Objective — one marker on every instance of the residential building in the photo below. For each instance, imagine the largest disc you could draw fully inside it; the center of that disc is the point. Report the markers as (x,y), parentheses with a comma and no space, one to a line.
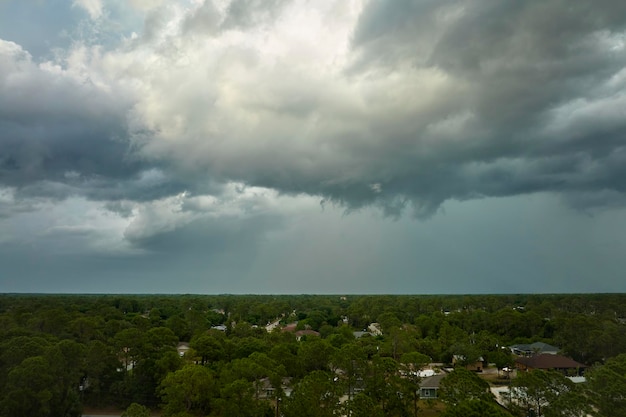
(534,349)
(547,361)
(429,387)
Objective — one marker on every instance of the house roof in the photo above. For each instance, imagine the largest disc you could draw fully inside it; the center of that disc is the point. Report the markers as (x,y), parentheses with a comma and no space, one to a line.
(432,381)
(537,347)
(544,346)
(548,361)
(291,327)
(182,348)
(306,332)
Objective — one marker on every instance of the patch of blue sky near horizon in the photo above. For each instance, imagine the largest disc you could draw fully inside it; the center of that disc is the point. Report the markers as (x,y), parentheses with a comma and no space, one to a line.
(39,26)
(47,28)
(522,244)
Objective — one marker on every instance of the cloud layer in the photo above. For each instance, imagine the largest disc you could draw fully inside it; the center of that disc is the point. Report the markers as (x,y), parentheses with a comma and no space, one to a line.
(177,117)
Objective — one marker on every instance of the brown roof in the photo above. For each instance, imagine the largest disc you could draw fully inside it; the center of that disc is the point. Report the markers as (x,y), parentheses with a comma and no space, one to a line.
(306,332)
(291,327)
(548,361)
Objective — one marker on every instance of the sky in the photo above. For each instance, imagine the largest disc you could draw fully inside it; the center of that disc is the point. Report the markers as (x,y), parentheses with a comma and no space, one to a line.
(298,146)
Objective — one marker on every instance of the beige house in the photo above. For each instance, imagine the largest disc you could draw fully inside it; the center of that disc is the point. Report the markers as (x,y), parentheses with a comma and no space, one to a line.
(474,366)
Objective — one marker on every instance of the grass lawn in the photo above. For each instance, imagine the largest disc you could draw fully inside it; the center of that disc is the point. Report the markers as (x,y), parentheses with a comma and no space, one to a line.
(430,409)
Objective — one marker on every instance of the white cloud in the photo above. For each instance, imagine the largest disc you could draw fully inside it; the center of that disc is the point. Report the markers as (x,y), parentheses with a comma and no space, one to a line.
(74,225)
(146,5)
(93,7)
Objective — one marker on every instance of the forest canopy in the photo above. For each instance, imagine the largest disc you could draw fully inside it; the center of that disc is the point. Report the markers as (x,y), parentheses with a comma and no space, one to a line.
(239,355)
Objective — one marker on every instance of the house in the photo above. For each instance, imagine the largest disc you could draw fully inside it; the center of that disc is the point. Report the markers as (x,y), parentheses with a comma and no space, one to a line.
(374,328)
(474,366)
(547,361)
(533,349)
(429,387)
(291,327)
(182,348)
(273,325)
(266,390)
(306,332)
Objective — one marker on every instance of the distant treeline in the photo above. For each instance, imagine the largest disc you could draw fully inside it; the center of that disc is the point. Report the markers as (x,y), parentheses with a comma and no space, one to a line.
(59,353)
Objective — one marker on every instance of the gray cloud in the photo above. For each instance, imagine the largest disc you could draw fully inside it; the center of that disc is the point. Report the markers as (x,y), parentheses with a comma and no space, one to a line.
(208,20)
(435,101)
(63,134)
(540,89)
(204,20)
(190,138)
(247,13)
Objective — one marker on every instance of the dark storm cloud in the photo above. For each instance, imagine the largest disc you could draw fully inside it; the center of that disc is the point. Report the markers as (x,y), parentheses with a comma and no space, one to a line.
(62,135)
(187,146)
(437,100)
(208,236)
(540,86)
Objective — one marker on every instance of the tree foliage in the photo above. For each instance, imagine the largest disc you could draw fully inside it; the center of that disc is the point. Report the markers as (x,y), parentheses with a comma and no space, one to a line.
(475,408)
(317,395)
(548,393)
(136,410)
(608,385)
(190,389)
(61,352)
(463,385)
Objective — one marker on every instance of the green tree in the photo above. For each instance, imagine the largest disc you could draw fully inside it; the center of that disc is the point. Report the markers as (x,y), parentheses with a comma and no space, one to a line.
(362,406)
(179,326)
(208,346)
(29,391)
(189,390)
(315,354)
(317,395)
(254,369)
(14,350)
(462,385)
(128,345)
(475,408)
(285,353)
(85,329)
(608,386)
(501,358)
(384,385)
(548,393)
(388,321)
(349,361)
(237,399)
(136,410)
(410,365)
(466,353)
(66,361)
(101,365)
